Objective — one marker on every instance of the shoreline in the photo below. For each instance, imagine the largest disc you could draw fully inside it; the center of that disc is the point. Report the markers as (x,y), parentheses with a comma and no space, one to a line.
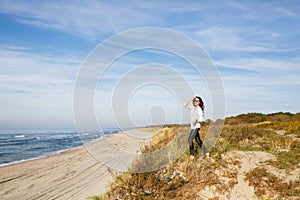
(48,154)
(72,174)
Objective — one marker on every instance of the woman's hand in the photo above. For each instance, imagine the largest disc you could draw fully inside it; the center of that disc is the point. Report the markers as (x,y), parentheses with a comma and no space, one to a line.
(188,101)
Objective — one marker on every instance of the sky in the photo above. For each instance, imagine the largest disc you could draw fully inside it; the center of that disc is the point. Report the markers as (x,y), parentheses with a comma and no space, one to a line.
(254,45)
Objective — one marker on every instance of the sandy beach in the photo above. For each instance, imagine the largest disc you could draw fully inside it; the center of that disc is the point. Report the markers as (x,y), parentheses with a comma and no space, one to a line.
(76,173)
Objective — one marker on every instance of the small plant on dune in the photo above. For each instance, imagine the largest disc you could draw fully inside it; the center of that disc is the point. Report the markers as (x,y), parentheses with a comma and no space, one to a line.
(288,159)
(245,138)
(268,185)
(95,198)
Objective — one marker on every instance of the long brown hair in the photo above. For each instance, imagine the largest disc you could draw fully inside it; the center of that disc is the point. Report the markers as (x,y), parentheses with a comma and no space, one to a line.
(201,104)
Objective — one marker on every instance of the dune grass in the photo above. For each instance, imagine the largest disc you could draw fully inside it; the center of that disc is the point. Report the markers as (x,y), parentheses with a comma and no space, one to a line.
(183,179)
(267,185)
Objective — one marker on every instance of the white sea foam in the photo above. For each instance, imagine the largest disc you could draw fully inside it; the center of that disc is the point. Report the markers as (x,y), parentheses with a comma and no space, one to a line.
(19,136)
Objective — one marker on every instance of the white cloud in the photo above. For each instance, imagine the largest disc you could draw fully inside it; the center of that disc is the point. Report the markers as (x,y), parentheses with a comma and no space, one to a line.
(273,66)
(35,89)
(232,39)
(260,85)
(220,38)
(87,19)
(265,11)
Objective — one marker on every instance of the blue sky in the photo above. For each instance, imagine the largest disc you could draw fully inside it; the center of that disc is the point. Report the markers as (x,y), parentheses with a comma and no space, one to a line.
(254,44)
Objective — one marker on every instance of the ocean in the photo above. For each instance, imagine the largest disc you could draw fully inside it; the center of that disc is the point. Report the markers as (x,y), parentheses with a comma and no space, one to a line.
(21,145)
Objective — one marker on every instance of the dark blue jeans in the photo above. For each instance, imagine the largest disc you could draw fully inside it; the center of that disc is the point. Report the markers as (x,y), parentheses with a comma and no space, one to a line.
(194,134)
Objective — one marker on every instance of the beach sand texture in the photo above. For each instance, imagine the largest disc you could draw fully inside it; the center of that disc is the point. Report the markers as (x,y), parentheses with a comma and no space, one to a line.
(75,173)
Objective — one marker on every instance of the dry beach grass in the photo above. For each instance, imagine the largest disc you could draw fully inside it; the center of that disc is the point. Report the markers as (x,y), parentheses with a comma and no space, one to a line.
(251,160)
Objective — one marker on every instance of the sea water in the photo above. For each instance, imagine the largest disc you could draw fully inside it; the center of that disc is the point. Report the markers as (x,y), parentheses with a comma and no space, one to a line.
(21,145)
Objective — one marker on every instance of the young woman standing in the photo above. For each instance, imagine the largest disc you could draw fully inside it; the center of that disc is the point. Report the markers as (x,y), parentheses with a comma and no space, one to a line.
(197,112)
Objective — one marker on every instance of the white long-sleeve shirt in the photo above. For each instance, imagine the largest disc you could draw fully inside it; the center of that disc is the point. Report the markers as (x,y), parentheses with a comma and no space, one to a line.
(196,114)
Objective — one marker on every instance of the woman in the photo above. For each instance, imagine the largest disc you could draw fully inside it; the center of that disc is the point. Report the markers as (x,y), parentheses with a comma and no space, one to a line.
(197,111)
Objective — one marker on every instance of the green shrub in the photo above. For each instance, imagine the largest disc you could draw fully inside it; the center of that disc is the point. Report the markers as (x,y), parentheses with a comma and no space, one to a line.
(259,117)
(292,127)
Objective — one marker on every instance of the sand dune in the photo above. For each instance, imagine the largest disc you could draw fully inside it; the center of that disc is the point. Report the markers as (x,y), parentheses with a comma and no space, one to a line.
(73,174)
